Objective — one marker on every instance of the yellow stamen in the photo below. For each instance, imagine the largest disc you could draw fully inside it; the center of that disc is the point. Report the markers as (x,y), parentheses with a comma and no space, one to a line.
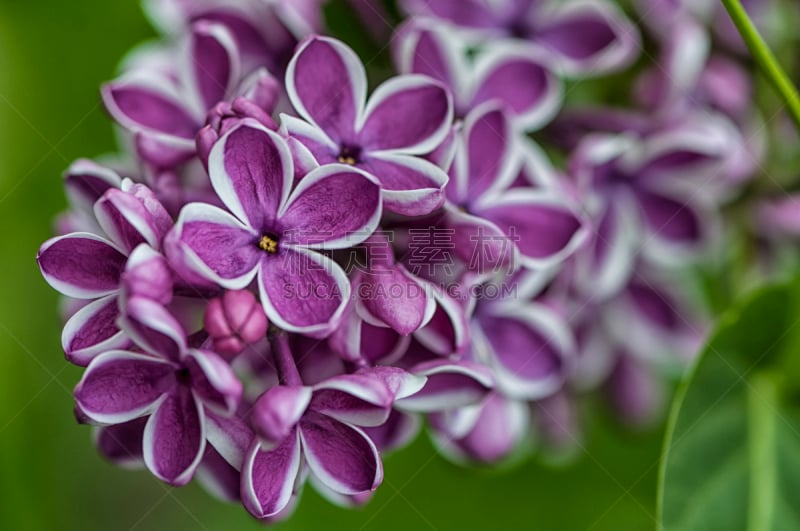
(347,159)
(268,244)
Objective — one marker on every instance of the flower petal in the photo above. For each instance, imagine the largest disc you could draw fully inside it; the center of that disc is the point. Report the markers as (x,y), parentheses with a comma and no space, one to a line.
(211,64)
(411,186)
(543,227)
(395,297)
(342,457)
(333,207)
(482,246)
(126,221)
(119,386)
(122,443)
(209,242)
(251,171)
(277,412)
(450,384)
(393,119)
(174,438)
(268,477)
(86,181)
(303,291)
(327,85)
(81,265)
(93,330)
(398,431)
(213,381)
(153,328)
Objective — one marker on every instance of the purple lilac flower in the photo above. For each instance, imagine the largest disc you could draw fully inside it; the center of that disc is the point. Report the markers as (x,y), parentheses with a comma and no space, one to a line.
(234,321)
(327,85)
(100,269)
(272,231)
(583,37)
(169,382)
(515,76)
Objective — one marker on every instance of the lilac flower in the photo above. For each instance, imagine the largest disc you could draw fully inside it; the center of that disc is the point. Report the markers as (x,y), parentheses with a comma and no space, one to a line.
(170,383)
(492,221)
(515,76)
(316,426)
(584,37)
(90,267)
(407,115)
(165,112)
(233,321)
(271,231)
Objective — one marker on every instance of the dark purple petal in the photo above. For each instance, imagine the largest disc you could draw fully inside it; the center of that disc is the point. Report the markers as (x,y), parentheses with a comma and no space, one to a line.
(153,328)
(470,13)
(332,207)
(411,186)
(303,291)
(93,330)
(277,412)
(147,274)
(450,384)
(268,477)
(125,220)
(219,477)
(221,249)
(447,332)
(354,399)
(342,457)
(231,437)
(394,121)
(542,226)
(212,63)
(327,85)
(655,306)
(81,265)
(150,107)
(395,297)
(398,431)
(122,443)
(174,438)
(251,171)
(482,246)
(213,381)
(670,218)
(424,50)
(121,386)
(85,181)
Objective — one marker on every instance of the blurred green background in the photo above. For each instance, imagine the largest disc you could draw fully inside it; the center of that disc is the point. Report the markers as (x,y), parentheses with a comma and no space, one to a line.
(53,56)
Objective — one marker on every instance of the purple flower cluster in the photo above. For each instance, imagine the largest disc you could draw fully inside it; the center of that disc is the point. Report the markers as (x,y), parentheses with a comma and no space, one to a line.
(288,269)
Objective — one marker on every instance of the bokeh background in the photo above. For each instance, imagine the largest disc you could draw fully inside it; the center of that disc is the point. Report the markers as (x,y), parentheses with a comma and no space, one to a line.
(53,57)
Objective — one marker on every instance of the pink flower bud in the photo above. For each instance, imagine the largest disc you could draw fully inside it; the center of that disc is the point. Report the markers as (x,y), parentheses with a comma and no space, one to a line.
(235,320)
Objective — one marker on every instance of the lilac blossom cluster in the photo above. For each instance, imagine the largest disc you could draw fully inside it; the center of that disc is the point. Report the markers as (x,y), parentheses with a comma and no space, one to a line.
(288,270)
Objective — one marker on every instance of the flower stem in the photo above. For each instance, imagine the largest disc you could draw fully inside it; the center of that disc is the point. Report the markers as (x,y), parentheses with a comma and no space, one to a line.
(765,59)
(282,354)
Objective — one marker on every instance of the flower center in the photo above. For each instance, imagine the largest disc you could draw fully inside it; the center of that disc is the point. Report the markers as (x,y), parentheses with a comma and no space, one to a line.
(349,155)
(268,243)
(182,376)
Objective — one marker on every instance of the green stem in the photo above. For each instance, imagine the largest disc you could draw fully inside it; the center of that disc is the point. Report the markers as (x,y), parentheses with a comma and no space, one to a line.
(765,59)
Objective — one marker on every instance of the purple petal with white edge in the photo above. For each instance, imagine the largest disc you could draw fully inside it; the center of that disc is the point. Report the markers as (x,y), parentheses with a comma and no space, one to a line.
(214,245)
(450,384)
(277,412)
(268,477)
(522,82)
(153,328)
(398,431)
(447,332)
(122,443)
(211,64)
(125,220)
(671,219)
(469,13)
(218,477)
(483,246)
(400,382)
(333,207)
(317,144)
(81,265)
(93,330)
(231,437)
(327,85)
(490,159)
(303,291)
(149,105)
(393,121)
(342,457)
(147,274)
(120,386)
(353,398)
(543,227)
(395,297)
(589,38)
(411,186)
(174,438)
(424,49)
(655,306)
(156,211)
(86,181)
(213,381)
(251,171)
(528,347)
(500,428)
(163,151)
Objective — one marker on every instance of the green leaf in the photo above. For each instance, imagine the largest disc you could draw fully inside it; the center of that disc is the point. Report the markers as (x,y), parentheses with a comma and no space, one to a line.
(731,457)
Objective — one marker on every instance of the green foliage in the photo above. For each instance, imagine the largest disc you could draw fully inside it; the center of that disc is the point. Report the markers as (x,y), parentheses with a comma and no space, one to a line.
(732,452)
